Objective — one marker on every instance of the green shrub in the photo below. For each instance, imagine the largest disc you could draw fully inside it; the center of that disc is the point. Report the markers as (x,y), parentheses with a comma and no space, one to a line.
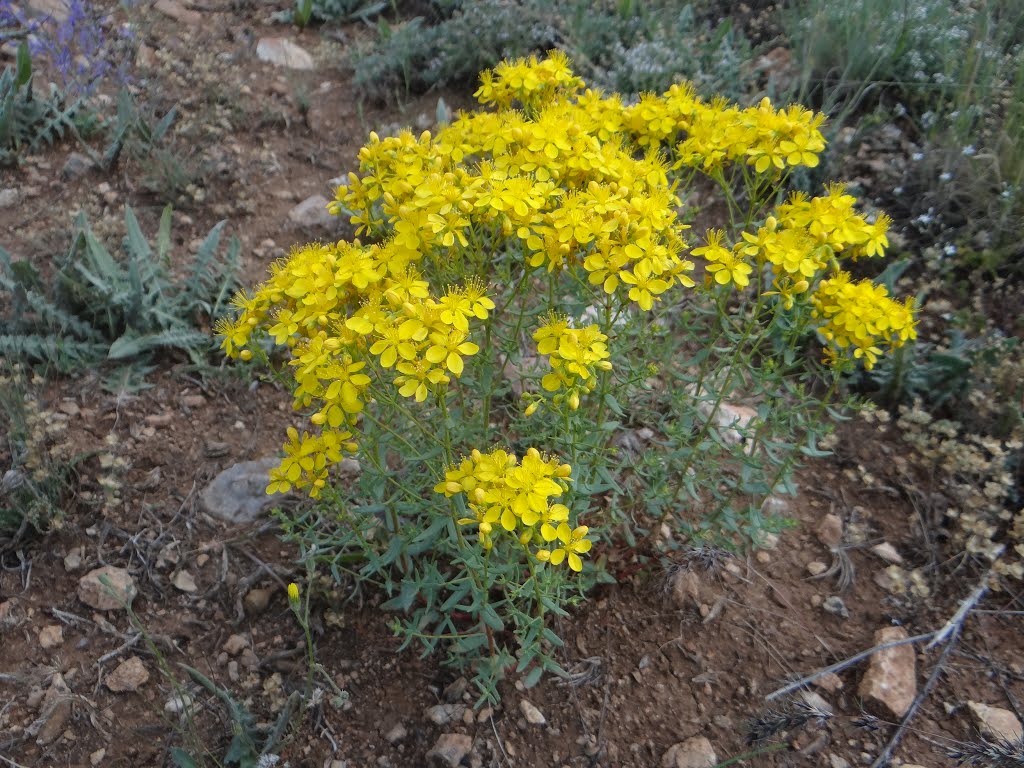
(628,47)
(531,370)
(96,309)
(30,120)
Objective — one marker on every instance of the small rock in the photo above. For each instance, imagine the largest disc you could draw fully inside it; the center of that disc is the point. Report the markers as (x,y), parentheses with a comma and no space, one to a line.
(283,53)
(179,12)
(10,617)
(816,701)
(312,212)
(830,682)
(835,605)
(996,723)
(235,644)
(692,753)
(193,401)
(449,749)
(118,591)
(8,197)
(145,57)
(453,691)
(233,675)
(816,568)
(73,560)
(830,531)
(249,660)
(239,493)
(57,9)
(184,581)
(95,758)
(214,449)
(76,166)
(55,711)
(129,676)
(442,714)
(835,761)
(533,715)
(396,734)
(256,601)
(888,553)
(178,703)
(891,678)
(51,636)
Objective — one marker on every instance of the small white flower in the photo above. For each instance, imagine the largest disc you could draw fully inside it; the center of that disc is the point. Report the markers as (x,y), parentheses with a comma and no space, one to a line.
(917,157)
(945,176)
(968,151)
(950,249)
(898,191)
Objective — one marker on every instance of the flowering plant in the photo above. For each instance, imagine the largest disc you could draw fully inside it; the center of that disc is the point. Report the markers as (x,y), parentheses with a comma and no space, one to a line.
(534,248)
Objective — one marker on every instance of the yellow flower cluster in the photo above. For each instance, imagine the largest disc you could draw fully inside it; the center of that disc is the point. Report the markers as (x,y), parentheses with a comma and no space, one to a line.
(530,82)
(332,304)
(860,318)
(706,136)
(574,354)
(571,180)
(505,494)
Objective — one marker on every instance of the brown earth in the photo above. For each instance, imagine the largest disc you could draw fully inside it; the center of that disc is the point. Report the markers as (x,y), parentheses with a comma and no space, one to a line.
(654,665)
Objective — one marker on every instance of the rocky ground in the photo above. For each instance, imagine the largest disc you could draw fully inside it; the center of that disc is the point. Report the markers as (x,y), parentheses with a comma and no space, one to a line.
(671,667)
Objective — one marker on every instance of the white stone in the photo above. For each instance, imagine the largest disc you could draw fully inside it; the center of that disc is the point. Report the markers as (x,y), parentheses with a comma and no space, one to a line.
(533,715)
(696,752)
(312,212)
(888,553)
(118,591)
(282,52)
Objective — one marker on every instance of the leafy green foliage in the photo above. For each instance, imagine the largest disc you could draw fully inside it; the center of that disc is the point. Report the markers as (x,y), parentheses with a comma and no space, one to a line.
(97,308)
(624,46)
(30,120)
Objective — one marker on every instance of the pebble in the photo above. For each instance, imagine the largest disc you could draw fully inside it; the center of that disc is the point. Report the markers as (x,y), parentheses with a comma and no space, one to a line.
(816,568)
(830,531)
(8,197)
(282,52)
(696,752)
(233,671)
(235,644)
(396,734)
(178,12)
(256,601)
(95,758)
(891,679)
(73,560)
(996,723)
(129,676)
(454,691)
(239,493)
(533,715)
(185,582)
(888,553)
(449,749)
(51,636)
(443,714)
(55,710)
(312,212)
(834,604)
(94,593)
(76,166)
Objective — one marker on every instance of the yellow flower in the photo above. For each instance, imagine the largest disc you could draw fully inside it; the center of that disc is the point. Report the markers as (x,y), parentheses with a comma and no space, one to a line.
(574,543)
(293,593)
